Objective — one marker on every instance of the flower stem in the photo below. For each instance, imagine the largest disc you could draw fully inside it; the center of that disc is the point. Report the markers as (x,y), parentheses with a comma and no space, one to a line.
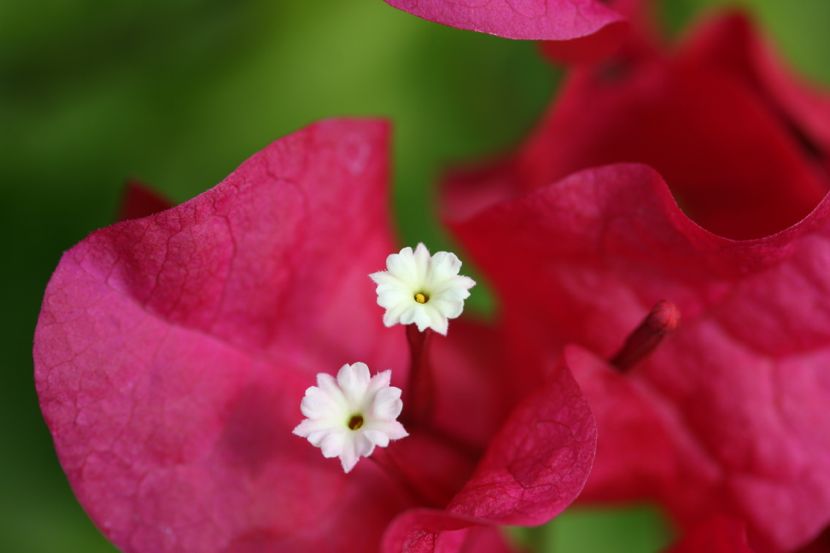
(419,400)
(661,321)
(386,462)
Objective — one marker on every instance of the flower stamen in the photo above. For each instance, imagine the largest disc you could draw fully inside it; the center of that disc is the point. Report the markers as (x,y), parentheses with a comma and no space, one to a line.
(356,422)
(420,297)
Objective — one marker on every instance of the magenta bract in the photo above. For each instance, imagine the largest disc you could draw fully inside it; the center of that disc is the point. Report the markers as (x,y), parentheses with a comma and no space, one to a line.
(172,352)
(730,223)
(574,29)
(730,407)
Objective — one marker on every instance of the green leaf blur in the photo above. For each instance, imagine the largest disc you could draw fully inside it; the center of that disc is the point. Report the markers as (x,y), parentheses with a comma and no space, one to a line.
(179,92)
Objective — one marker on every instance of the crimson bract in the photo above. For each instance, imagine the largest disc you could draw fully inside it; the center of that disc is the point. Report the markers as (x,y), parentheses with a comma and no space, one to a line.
(172,352)
(697,175)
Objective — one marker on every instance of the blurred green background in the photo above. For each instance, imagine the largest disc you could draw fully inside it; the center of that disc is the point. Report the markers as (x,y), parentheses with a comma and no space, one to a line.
(179,92)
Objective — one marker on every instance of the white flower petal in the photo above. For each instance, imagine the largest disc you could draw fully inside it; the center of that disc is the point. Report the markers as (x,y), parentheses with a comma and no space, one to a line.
(387,404)
(390,298)
(395,430)
(422,262)
(393,316)
(438,321)
(363,446)
(445,265)
(334,444)
(409,315)
(383,278)
(377,437)
(348,416)
(318,404)
(423,316)
(381,380)
(421,289)
(402,266)
(348,457)
(328,386)
(353,380)
(449,308)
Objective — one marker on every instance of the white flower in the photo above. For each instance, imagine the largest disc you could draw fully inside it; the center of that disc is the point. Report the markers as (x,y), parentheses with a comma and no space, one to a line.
(348,416)
(422,289)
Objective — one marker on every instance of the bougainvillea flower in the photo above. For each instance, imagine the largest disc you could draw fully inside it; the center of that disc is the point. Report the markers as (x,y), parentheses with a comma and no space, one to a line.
(352,414)
(422,289)
(173,351)
(729,412)
(743,146)
(574,29)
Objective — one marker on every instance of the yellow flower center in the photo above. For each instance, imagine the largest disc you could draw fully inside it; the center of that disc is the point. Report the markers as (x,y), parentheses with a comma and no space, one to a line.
(356,422)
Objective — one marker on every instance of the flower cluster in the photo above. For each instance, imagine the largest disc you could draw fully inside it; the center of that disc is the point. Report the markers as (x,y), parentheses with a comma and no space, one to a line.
(348,416)
(173,352)
(658,247)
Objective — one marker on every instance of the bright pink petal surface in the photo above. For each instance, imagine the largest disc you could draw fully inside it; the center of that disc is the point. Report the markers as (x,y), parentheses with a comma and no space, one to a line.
(172,352)
(580,28)
(737,164)
(716,535)
(534,467)
(584,260)
(735,400)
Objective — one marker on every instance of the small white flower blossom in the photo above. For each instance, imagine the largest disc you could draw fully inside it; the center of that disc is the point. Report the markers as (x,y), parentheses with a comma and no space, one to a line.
(422,289)
(348,416)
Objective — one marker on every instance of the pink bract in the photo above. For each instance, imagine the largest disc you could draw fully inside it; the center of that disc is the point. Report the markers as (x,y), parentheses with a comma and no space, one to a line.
(729,413)
(575,29)
(741,146)
(172,352)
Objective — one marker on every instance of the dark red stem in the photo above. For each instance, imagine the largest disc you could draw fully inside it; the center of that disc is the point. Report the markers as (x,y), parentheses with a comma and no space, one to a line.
(661,320)
(418,401)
